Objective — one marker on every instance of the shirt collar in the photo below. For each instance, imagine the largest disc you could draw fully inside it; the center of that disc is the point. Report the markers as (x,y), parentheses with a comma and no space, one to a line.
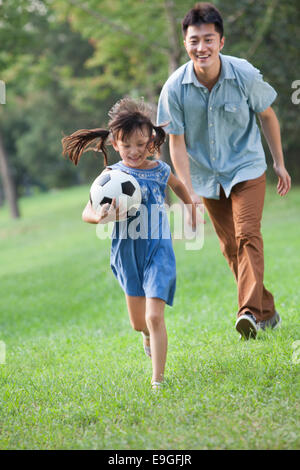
(190,76)
(226,70)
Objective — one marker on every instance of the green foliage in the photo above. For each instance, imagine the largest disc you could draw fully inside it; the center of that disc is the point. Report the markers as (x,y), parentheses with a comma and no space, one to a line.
(267,34)
(66,63)
(41,104)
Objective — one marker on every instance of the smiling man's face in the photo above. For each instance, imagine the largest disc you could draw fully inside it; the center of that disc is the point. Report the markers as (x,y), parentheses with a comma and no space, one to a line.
(203,44)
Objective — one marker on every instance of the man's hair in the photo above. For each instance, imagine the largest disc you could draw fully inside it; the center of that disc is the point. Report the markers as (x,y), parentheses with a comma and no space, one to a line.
(203,13)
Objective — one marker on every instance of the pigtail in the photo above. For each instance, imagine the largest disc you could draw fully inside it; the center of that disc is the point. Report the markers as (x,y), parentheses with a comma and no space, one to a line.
(157,140)
(76,144)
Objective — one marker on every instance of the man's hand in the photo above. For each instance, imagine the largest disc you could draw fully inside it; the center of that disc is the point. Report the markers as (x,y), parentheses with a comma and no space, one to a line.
(271,130)
(284,180)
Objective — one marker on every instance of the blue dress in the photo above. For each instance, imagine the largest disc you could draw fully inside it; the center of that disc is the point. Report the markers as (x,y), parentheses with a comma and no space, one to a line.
(142,256)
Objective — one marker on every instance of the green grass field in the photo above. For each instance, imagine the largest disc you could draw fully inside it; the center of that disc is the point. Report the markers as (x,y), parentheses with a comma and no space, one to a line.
(75,375)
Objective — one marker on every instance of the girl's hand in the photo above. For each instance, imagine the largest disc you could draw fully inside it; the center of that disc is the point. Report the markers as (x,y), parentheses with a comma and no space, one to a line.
(89,215)
(195,215)
(196,199)
(106,213)
(111,213)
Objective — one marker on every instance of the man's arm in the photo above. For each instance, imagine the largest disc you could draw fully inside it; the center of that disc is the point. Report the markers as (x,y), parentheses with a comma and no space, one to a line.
(271,130)
(181,191)
(180,160)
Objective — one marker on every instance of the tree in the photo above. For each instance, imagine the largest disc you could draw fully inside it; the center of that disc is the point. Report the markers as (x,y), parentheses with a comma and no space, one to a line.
(267,34)
(65,62)
(136,43)
(8,183)
(41,102)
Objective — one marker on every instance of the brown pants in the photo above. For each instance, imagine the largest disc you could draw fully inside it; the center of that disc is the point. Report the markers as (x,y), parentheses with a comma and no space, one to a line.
(237,223)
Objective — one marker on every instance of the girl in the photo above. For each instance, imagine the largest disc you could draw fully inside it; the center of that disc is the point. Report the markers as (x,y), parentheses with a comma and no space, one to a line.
(145,267)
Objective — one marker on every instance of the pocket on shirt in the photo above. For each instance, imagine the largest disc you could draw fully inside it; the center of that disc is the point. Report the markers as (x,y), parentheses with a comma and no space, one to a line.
(231,107)
(237,113)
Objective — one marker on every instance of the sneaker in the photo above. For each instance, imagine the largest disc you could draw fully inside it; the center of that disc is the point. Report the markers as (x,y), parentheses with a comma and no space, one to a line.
(273,322)
(246,325)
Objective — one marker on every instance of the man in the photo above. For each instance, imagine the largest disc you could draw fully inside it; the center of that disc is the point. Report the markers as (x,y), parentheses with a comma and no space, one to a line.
(211,104)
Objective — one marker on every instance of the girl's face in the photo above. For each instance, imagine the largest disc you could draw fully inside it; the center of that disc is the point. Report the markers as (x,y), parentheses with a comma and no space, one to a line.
(133,150)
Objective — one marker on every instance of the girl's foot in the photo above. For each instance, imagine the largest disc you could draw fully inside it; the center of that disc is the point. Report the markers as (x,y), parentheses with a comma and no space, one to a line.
(156,386)
(146,344)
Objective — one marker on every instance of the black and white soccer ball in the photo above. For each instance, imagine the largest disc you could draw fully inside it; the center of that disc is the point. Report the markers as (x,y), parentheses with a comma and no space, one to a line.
(116,184)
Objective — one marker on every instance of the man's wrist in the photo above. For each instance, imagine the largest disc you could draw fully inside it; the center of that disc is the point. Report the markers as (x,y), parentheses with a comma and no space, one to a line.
(278,166)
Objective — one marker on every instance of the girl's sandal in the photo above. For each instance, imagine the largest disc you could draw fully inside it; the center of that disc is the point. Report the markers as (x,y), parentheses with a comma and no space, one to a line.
(156,386)
(146,348)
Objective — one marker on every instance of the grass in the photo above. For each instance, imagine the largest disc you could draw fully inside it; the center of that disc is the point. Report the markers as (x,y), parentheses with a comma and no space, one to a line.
(76,376)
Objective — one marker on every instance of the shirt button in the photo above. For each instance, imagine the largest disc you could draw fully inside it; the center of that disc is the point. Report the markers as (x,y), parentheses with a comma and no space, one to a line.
(212,142)
(210,108)
(213,159)
(210,125)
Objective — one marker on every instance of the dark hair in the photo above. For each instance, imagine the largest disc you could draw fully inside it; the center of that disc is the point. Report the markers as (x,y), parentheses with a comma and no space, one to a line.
(126,116)
(203,13)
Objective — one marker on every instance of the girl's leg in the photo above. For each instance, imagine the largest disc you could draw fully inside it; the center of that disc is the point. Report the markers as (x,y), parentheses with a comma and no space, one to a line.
(158,336)
(137,315)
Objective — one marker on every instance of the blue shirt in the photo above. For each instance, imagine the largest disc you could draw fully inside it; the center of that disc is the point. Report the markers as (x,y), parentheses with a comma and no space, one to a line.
(221,134)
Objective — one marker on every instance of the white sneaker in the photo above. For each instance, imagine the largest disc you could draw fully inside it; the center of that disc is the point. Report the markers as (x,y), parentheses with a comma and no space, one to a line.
(246,325)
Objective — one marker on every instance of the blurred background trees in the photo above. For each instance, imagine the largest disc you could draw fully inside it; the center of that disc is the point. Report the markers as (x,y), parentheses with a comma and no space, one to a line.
(65,63)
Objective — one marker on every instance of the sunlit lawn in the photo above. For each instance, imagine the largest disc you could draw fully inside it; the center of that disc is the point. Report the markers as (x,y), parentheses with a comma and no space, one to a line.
(76,376)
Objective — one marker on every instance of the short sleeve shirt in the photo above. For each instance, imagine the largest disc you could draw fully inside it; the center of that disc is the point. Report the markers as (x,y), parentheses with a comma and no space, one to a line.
(221,134)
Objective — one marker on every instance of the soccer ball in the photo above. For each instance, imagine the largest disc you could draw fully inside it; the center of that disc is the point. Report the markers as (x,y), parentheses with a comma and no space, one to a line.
(116,184)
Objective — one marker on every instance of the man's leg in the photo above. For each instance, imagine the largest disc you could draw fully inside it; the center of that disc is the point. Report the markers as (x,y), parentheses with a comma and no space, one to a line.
(229,215)
(220,213)
(247,207)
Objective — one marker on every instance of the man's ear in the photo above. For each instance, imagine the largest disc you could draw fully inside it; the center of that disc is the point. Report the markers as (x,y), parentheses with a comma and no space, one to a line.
(222,42)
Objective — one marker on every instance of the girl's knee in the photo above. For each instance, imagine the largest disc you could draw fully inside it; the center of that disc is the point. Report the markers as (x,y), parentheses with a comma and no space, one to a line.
(137,326)
(154,320)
